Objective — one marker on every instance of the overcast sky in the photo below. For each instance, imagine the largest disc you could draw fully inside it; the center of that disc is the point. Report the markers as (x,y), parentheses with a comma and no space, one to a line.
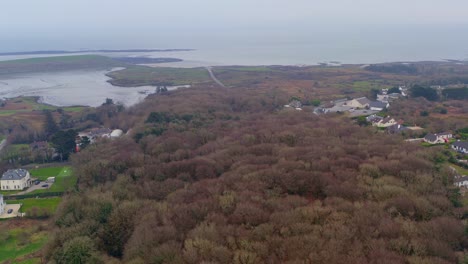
(33,19)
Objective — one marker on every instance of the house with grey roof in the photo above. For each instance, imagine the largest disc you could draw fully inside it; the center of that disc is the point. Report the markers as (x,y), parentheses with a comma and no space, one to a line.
(378,105)
(16,179)
(396,129)
(461,181)
(374,119)
(461,146)
(438,138)
(360,103)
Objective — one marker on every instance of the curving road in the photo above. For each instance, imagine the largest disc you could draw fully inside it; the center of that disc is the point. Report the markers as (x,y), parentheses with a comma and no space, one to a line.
(210,71)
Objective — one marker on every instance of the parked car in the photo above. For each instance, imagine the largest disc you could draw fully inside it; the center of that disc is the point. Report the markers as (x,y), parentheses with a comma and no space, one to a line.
(45,185)
(10,211)
(37,182)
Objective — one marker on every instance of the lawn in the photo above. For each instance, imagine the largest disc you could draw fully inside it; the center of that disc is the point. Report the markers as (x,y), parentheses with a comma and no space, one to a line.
(64,178)
(74,108)
(42,203)
(43,173)
(17,243)
(459,169)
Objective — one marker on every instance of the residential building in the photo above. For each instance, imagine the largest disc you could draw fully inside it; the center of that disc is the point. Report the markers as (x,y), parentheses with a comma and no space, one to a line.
(438,138)
(383,98)
(378,105)
(2,204)
(396,129)
(361,102)
(385,122)
(17,179)
(374,119)
(461,146)
(461,181)
(295,104)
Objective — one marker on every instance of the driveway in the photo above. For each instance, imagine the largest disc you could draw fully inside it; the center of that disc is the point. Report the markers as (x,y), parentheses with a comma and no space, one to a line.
(14,207)
(37,187)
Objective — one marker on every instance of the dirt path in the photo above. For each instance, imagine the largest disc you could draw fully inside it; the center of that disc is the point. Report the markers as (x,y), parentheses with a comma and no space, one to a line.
(210,71)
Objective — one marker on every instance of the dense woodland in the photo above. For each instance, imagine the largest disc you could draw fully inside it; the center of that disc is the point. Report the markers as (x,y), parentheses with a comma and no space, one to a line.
(211,175)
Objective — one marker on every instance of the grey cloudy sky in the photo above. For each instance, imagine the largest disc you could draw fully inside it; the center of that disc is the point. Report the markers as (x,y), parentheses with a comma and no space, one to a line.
(25,15)
(24,19)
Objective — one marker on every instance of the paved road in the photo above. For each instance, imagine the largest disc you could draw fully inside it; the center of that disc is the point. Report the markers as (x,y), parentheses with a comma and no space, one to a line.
(214,77)
(2,144)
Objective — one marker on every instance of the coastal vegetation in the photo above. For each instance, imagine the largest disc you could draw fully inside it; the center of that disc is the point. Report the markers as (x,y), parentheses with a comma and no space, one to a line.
(158,76)
(240,181)
(59,63)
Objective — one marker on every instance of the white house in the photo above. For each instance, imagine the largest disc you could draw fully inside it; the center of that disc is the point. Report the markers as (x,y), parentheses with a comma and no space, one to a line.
(438,138)
(461,181)
(386,122)
(2,204)
(17,179)
(461,146)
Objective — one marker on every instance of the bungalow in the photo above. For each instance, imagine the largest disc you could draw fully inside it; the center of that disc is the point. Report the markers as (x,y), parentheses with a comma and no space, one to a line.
(461,146)
(396,129)
(2,204)
(461,181)
(378,106)
(386,122)
(382,98)
(361,102)
(374,119)
(17,179)
(438,138)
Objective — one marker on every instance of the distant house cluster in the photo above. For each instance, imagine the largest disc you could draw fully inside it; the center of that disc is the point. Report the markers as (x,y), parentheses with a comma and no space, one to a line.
(361,106)
(16,179)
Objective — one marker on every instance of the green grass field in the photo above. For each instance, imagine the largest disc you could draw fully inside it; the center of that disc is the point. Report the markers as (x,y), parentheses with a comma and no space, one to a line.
(58,63)
(459,169)
(246,68)
(64,178)
(29,261)
(50,204)
(16,244)
(140,76)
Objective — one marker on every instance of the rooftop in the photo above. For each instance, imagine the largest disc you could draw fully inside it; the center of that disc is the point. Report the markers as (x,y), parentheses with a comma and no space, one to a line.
(461,144)
(16,174)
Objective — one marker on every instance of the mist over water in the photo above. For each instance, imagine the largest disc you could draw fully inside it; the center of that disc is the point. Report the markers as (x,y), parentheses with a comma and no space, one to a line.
(281,45)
